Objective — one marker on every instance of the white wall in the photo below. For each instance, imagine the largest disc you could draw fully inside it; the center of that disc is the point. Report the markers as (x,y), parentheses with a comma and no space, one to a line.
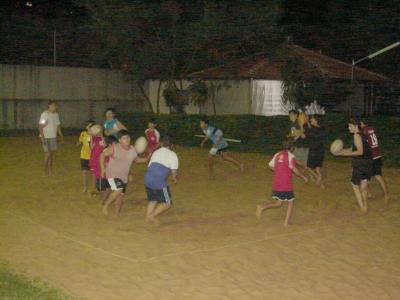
(81,93)
(24,82)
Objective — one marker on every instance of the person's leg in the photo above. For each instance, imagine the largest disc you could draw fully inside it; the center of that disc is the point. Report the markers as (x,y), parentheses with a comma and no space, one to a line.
(151,206)
(359,197)
(225,156)
(319,182)
(46,162)
(364,194)
(160,208)
(289,212)
(50,162)
(110,199)
(118,204)
(85,180)
(262,207)
(313,174)
(382,183)
(104,195)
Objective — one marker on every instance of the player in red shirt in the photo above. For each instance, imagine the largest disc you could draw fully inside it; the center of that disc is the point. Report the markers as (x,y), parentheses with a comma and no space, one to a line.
(284,164)
(369,133)
(153,136)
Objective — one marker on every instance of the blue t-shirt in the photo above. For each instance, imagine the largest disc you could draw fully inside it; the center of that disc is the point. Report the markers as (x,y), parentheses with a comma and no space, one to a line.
(214,134)
(162,162)
(110,125)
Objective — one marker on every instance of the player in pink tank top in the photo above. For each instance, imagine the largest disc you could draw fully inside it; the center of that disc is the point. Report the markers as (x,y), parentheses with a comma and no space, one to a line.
(284,165)
(121,156)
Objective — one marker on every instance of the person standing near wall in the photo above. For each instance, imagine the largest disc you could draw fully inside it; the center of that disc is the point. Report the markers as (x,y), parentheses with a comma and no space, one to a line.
(49,126)
(112,126)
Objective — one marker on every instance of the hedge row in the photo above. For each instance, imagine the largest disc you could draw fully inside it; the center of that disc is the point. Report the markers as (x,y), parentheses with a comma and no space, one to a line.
(258,133)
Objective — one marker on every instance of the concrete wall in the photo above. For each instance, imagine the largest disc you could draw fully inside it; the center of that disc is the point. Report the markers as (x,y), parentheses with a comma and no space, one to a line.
(81,93)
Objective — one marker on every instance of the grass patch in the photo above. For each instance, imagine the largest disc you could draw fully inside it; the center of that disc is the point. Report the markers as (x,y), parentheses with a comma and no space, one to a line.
(15,286)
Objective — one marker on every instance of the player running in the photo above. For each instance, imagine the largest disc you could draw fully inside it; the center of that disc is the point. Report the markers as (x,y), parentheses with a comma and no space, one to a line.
(370,135)
(219,145)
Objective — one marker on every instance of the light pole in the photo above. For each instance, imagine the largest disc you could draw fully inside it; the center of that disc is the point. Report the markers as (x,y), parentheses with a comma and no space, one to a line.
(372,56)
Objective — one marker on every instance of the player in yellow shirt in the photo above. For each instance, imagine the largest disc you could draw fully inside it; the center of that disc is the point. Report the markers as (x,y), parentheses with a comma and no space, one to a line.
(84,140)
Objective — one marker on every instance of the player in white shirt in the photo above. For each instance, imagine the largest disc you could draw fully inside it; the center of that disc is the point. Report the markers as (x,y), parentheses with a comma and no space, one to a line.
(163,163)
(49,127)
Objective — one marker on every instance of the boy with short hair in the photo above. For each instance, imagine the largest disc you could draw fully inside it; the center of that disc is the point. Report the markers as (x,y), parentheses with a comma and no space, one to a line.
(152,136)
(49,126)
(369,133)
(121,155)
(219,145)
(284,165)
(163,163)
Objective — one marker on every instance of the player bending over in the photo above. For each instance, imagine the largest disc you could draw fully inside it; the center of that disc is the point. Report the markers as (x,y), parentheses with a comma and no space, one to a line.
(284,165)
(163,163)
(121,156)
(219,145)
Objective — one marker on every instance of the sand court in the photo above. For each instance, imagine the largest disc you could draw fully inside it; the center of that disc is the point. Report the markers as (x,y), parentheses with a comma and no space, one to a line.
(210,245)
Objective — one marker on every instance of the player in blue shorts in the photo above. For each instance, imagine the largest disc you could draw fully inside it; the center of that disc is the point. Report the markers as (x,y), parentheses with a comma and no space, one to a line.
(163,163)
(219,145)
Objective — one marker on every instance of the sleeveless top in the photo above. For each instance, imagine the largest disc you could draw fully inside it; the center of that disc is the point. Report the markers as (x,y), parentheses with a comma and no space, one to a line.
(120,162)
(367,154)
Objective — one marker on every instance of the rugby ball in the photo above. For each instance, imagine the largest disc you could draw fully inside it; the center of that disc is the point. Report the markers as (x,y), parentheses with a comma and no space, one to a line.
(336,146)
(141,145)
(95,129)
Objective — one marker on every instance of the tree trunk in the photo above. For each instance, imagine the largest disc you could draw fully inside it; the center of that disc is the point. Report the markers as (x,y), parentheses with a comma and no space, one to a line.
(145,96)
(158,96)
(213,104)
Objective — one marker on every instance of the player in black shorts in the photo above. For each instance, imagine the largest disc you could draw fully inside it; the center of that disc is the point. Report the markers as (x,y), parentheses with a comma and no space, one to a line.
(315,136)
(361,163)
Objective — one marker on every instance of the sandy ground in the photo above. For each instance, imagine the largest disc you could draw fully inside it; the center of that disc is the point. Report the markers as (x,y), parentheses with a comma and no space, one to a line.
(210,246)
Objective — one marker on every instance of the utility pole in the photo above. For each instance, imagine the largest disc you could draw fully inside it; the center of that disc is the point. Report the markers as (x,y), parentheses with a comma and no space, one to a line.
(55,47)
(372,56)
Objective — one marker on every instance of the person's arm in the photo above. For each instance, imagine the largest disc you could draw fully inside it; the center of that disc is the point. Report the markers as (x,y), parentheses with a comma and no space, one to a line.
(349,151)
(121,126)
(60,133)
(41,134)
(299,174)
(204,141)
(42,124)
(272,163)
(106,152)
(79,141)
(174,176)
(142,160)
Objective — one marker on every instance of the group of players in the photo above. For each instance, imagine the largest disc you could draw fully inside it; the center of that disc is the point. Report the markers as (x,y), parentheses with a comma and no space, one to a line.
(107,156)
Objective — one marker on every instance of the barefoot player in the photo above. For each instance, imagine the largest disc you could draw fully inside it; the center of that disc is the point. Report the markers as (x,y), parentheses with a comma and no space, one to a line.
(373,143)
(121,156)
(284,165)
(163,163)
(219,145)
(361,163)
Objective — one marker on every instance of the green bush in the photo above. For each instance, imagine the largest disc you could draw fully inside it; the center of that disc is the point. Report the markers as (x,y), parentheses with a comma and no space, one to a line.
(258,133)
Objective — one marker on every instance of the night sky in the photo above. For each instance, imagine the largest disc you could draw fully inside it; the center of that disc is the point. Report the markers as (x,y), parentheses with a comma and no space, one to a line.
(342,29)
